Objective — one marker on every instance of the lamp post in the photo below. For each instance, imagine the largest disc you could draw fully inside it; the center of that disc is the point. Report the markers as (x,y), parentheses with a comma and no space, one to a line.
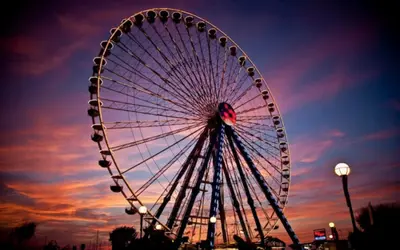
(334,233)
(142,212)
(343,170)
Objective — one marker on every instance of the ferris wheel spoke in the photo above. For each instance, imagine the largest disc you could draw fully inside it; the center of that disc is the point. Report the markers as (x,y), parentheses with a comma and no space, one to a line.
(190,164)
(237,185)
(145,124)
(195,189)
(217,71)
(130,68)
(237,85)
(189,64)
(235,201)
(250,200)
(170,72)
(152,106)
(274,192)
(206,66)
(237,97)
(154,138)
(190,89)
(199,67)
(147,92)
(234,72)
(176,94)
(251,182)
(271,138)
(191,56)
(222,78)
(252,179)
(184,62)
(263,184)
(257,125)
(246,118)
(211,66)
(173,68)
(251,153)
(252,149)
(160,152)
(252,109)
(162,170)
(226,78)
(127,107)
(245,131)
(244,103)
(184,187)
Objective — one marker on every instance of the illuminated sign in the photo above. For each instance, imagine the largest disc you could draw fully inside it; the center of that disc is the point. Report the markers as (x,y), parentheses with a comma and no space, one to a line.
(320,234)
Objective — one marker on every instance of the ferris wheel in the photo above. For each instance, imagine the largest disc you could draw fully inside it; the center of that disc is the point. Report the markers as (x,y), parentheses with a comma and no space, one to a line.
(187,127)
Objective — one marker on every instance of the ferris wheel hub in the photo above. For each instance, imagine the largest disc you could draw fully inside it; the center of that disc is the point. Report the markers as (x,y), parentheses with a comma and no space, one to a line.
(227,114)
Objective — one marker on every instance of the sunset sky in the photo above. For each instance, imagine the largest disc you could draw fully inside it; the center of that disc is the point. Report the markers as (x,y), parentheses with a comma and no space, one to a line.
(332,67)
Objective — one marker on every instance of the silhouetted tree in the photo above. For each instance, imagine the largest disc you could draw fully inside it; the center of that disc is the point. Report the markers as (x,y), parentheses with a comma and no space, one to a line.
(379,227)
(121,237)
(242,244)
(25,232)
(52,245)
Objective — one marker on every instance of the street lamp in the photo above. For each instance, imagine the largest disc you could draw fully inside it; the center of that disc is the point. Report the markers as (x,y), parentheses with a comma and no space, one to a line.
(158,227)
(142,212)
(334,232)
(343,170)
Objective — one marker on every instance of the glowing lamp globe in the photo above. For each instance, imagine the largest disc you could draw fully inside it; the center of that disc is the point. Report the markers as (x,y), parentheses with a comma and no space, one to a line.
(331,224)
(330,236)
(342,169)
(213,219)
(158,227)
(142,210)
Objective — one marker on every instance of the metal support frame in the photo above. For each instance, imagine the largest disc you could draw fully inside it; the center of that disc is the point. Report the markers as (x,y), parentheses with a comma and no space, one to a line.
(196,188)
(250,200)
(182,192)
(263,185)
(235,202)
(216,185)
(223,218)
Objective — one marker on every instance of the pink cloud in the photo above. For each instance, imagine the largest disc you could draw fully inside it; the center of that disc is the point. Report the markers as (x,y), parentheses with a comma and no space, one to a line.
(308,149)
(336,133)
(382,135)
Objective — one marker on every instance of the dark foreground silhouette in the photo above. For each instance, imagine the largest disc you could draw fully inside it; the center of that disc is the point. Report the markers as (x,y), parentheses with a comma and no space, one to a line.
(378,229)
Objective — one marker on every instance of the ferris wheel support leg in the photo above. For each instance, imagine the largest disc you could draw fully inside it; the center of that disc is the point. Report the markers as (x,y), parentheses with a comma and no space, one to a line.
(223,217)
(250,200)
(264,187)
(196,188)
(190,161)
(235,201)
(216,184)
